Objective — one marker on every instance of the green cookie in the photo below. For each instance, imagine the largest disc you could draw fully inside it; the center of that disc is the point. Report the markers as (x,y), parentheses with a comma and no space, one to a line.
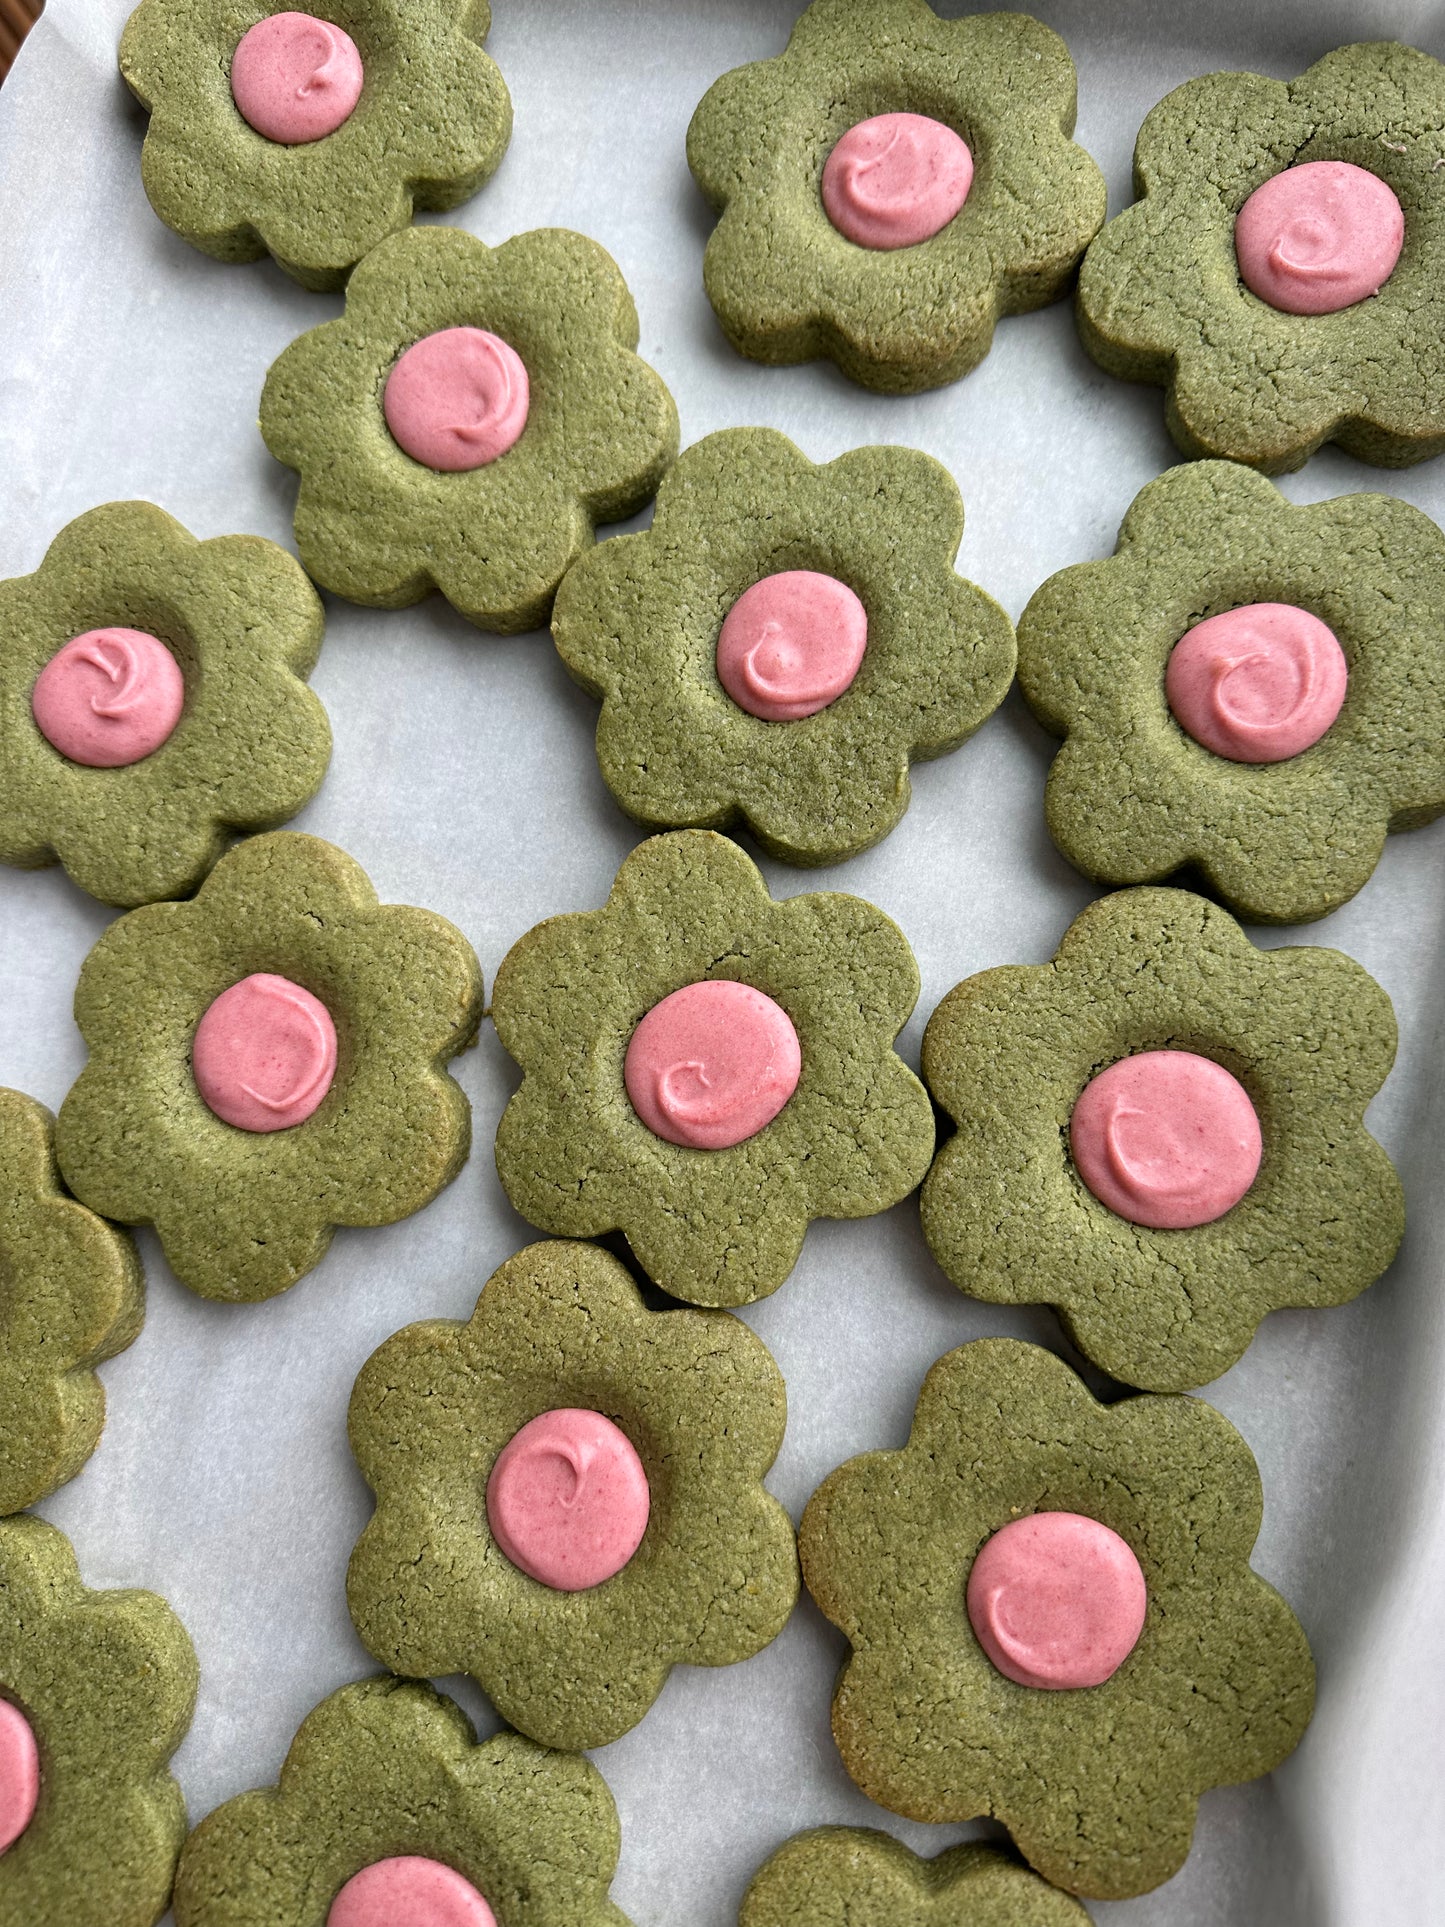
(858,1877)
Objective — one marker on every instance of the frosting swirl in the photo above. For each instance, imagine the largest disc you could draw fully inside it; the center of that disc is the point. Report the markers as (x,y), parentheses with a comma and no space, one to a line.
(19,1774)
(895,180)
(1257,684)
(409,1890)
(295,78)
(110,697)
(1057,1601)
(457,399)
(712,1064)
(264,1054)
(1319,237)
(791,644)
(568,1499)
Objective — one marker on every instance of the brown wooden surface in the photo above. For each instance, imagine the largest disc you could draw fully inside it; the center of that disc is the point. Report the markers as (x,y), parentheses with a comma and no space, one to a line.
(17,17)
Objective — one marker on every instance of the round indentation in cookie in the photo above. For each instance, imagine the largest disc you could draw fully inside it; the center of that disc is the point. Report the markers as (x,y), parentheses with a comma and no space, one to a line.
(1319,237)
(1166,1139)
(1056,1600)
(568,1499)
(409,1890)
(264,1053)
(895,180)
(1257,684)
(110,697)
(295,78)
(712,1064)
(791,644)
(19,1774)
(457,399)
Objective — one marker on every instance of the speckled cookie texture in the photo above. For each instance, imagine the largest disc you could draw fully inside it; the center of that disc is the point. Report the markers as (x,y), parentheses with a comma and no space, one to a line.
(387,1768)
(71,1294)
(787,286)
(1161,300)
(562,1325)
(252,744)
(433,121)
(107,1681)
(859,1877)
(241,1214)
(713,1227)
(1132,797)
(637,624)
(1097,1785)
(1309,1035)
(378,527)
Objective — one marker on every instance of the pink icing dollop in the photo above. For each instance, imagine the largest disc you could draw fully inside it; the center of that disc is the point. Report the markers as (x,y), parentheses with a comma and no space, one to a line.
(1056,1600)
(791,644)
(1166,1139)
(409,1891)
(295,78)
(568,1499)
(19,1774)
(457,399)
(264,1054)
(712,1064)
(1257,684)
(109,697)
(1319,237)
(895,180)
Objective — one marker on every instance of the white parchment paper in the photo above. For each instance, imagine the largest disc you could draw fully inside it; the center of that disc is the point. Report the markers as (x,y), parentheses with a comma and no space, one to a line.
(464,780)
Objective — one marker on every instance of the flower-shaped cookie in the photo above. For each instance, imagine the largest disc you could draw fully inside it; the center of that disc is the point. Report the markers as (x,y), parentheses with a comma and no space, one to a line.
(342,128)
(1162,298)
(153,701)
(787,284)
(774,1098)
(71,1294)
(616,1450)
(96,1693)
(1254,1061)
(638,623)
(532,420)
(266,1063)
(386,1800)
(1097,1783)
(1133,796)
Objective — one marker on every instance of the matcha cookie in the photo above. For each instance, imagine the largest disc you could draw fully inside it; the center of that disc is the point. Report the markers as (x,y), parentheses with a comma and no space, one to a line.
(889,186)
(569,1496)
(1053,1617)
(1161,1134)
(858,1877)
(782,642)
(1282,274)
(310,139)
(389,1811)
(266,1063)
(1248,688)
(153,701)
(71,1294)
(96,1694)
(706,1070)
(468,421)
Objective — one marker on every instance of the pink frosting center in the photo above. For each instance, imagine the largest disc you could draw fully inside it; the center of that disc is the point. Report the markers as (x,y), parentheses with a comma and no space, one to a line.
(264,1054)
(568,1499)
(295,78)
(1257,684)
(895,180)
(1056,1600)
(712,1064)
(457,399)
(19,1774)
(791,644)
(1319,237)
(1166,1139)
(109,697)
(409,1891)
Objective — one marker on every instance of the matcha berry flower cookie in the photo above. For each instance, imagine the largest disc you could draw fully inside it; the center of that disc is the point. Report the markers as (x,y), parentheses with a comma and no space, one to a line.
(569,1496)
(889,186)
(267,1062)
(1053,1619)
(389,1811)
(311,138)
(1161,1134)
(153,701)
(706,1070)
(96,1694)
(1282,274)
(1248,688)
(468,421)
(782,641)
